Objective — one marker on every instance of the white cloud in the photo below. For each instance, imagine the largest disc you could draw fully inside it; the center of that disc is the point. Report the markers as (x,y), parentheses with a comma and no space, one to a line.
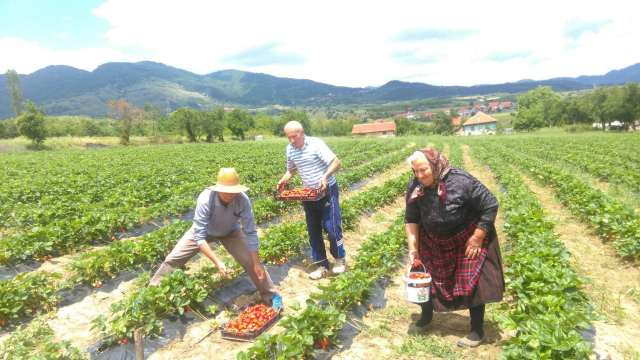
(27,57)
(361,43)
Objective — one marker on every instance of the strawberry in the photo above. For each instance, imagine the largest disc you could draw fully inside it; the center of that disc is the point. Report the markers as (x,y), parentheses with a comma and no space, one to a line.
(278,263)
(141,223)
(113,238)
(187,308)
(179,215)
(125,341)
(97,285)
(150,223)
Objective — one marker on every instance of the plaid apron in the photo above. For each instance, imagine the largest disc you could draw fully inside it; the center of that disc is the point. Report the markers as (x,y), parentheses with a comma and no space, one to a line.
(453,275)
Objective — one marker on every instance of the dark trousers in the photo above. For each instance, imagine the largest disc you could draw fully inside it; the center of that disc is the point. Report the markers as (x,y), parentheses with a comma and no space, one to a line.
(325,214)
(476,314)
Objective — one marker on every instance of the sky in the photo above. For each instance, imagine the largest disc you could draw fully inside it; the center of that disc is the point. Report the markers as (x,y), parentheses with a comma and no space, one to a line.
(345,43)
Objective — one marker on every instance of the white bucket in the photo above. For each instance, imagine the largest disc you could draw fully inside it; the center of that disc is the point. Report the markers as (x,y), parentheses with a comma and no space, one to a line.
(417,290)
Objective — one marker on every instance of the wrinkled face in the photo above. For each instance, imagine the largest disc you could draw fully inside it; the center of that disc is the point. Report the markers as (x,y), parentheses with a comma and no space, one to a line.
(422,170)
(296,137)
(226,197)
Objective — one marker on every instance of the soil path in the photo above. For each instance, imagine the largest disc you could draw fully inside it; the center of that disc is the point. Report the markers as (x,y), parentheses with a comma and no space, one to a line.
(614,282)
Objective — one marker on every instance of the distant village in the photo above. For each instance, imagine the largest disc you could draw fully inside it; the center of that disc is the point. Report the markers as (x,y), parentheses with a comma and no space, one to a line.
(476,120)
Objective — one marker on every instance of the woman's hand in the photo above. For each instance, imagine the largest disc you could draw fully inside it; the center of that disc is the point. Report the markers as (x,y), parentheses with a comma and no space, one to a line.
(414,259)
(474,247)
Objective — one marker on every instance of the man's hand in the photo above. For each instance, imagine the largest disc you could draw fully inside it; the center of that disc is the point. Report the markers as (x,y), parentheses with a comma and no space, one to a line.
(281,183)
(259,270)
(222,269)
(323,183)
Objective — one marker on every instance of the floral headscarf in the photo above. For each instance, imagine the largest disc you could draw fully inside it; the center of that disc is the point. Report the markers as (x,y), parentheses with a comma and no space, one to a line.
(440,168)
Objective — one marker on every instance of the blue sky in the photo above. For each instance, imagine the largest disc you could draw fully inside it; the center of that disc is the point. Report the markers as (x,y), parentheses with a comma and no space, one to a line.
(348,43)
(61,24)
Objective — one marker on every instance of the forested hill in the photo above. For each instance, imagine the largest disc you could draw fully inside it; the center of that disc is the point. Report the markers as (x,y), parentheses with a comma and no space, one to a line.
(64,90)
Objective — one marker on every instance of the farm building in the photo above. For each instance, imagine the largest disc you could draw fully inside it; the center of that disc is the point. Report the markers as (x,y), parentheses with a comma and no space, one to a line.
(480,124)
(374,130)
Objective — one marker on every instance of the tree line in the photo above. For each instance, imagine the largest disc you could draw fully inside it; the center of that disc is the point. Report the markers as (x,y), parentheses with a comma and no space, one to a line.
(544,107)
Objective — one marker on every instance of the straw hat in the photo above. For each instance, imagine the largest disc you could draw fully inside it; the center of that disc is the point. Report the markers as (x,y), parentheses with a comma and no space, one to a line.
(228,182)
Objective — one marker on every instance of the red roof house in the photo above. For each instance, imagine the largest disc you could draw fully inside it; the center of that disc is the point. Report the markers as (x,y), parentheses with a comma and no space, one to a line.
(376,129)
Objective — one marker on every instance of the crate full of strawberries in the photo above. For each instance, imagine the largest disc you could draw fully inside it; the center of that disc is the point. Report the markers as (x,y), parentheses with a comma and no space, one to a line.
(252,322)
(288,194)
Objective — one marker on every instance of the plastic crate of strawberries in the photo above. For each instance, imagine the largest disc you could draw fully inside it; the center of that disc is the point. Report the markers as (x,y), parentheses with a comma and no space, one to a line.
(252,322)
(288,194)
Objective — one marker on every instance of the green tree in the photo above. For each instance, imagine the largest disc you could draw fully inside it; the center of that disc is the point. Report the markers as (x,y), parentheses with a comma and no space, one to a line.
(188,120)
(404,126)
(91,128)
(126,113)
(31,124)
(290,115)
(16,91)
(239,121)
(443,124)
(214,124)
(535,108)
(631,111)
(153,114)
(9,129)
(598,99)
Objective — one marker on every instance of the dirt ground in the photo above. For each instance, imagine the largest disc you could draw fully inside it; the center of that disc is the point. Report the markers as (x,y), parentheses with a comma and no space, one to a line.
(74,321)
(614,280)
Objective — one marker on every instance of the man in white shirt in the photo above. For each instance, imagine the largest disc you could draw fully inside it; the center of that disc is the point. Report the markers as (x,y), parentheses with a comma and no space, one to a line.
(316,163)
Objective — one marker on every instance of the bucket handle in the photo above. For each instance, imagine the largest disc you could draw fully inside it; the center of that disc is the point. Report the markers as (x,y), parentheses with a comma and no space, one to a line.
(410,267)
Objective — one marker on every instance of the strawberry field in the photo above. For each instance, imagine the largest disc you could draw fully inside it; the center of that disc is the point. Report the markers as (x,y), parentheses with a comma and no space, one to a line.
(80,227)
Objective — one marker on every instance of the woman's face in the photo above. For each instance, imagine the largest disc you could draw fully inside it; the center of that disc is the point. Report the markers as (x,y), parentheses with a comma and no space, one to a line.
(423,172)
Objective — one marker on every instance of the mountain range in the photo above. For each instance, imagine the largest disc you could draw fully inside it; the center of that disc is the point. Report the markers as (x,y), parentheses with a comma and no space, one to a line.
(64,90)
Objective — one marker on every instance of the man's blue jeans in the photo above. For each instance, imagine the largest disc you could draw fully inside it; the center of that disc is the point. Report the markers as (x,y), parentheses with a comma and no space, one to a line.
(325,214)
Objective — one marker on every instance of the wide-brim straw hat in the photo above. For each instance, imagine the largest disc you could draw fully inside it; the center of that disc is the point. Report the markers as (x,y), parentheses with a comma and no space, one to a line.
(228,182)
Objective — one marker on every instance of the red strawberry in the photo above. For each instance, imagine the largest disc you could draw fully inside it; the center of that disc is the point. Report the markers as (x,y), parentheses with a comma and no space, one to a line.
(97,285)
(187,308)
(150,223)
(125,341)
(141,223)
(113,238)
(179,215)
(278,263)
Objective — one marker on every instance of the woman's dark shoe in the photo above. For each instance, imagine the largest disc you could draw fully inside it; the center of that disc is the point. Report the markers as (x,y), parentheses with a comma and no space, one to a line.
(471,340)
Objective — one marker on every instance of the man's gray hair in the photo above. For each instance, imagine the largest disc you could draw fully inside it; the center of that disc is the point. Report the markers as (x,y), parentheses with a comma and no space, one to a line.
(293,125)
(415,156)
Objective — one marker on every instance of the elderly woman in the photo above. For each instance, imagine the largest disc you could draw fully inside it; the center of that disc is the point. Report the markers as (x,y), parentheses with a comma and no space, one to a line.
(450,229)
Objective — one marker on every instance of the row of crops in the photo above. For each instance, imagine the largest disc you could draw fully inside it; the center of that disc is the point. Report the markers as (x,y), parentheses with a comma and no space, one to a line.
(55,209)
(60,202)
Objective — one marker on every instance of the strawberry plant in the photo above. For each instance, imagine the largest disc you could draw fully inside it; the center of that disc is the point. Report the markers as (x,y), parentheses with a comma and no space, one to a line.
(550,306)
